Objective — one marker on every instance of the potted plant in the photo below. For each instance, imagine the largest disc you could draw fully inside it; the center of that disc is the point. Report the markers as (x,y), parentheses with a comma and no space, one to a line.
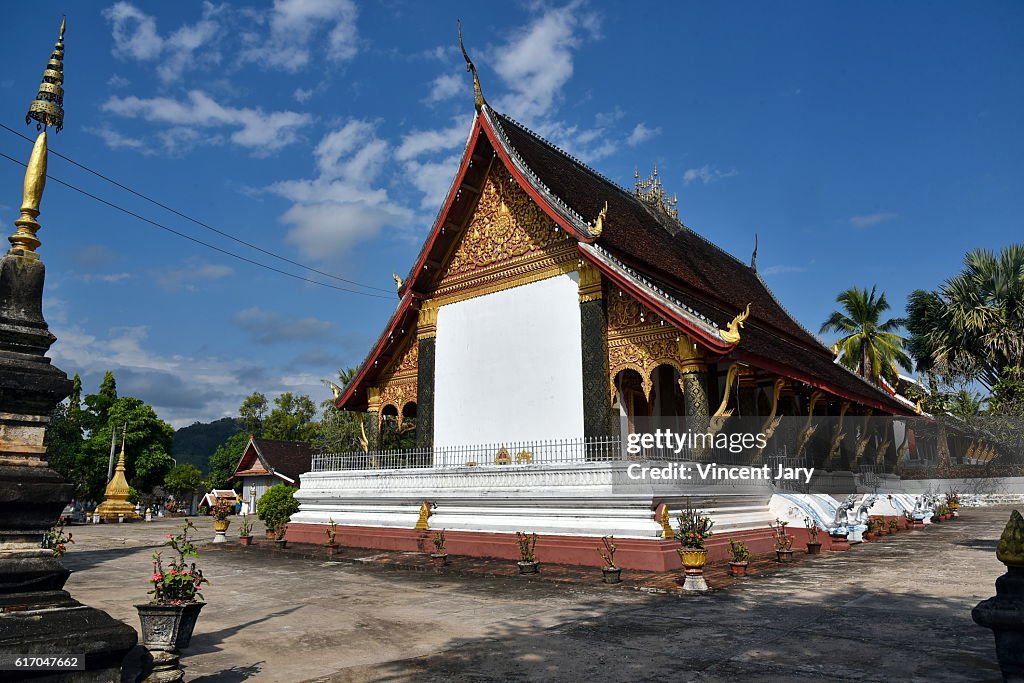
(869,533)
(170,617)
(940,513)
(694,529)
(220,513)
(245,531)
(783,541)
(953,500)
(528,563)
(611,573)
(813,544)
(276,506)
(279,534)
(332,537)
(880,528)
(894,526)
(740,558)
(56,541)
(440,555)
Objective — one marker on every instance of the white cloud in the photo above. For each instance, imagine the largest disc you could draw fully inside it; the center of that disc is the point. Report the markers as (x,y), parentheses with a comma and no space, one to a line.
(135,36)
(270,327)
(182,388)
(114,140)
(433,179)
(302,95)
(117,81)
(341,206)
(108,278)
(293,24)
(192,272)
(538,60)
(707,174)
(422,142)
(446,86)
(781,270)
(868,220)
(641,133)
(262,132)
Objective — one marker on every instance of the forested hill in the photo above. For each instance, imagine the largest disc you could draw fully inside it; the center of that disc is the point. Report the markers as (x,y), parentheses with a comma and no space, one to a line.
(197,442)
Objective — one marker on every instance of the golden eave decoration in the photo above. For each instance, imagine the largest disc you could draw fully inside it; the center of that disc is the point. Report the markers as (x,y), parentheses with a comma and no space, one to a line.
(732,332)
(598,227)
(652,192)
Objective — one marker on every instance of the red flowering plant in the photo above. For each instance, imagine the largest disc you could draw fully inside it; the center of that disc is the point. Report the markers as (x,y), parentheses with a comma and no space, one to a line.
(57,541)
(694,527)
(180,581)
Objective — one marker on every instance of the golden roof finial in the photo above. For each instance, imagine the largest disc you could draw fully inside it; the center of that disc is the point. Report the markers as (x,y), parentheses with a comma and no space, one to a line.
(598,227)
(398,281)
(652,192)
(732,333)
(47,110)
(48,107)
(478,93)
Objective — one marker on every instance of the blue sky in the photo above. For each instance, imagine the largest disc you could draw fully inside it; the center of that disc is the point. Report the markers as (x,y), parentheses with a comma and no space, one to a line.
(867,144)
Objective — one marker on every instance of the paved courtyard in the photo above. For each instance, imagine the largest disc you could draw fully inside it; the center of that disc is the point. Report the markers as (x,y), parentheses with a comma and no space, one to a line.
(894,610)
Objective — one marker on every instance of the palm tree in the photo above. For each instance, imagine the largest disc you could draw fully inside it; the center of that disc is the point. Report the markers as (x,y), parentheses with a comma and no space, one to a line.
(972,328)
(867,346)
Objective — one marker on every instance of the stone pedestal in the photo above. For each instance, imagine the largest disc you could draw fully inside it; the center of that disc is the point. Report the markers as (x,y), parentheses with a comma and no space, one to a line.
(36,615)
(1004,613)
(163,667)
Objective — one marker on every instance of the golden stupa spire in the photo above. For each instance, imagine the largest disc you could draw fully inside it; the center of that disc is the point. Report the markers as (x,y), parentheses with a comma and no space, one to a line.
(115,497)
(478,93)
(48,111)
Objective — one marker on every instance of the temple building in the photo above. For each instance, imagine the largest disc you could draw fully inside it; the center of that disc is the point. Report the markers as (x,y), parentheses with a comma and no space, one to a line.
(266,462)
(548,314)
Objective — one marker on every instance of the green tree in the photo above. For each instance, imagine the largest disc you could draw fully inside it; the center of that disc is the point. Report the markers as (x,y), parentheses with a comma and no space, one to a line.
(253,413)
(866,345)
(972,327)
(99,404)
(183,479)
(224,460)
(339,431)
(291,419)
(147,442)
(64,437)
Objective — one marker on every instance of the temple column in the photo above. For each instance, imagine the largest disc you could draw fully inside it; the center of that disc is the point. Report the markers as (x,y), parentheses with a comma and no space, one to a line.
(597,413)
(694,383)
(426,334)
(372,424)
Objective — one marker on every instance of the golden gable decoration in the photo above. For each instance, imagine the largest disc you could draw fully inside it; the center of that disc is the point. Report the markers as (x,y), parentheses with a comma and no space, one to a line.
(640,340)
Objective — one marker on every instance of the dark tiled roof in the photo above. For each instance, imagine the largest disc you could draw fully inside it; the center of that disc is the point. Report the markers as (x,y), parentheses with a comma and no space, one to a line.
(290,458)
(683,263)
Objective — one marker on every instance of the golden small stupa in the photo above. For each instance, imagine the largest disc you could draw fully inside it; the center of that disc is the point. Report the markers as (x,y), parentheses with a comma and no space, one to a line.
(115,498)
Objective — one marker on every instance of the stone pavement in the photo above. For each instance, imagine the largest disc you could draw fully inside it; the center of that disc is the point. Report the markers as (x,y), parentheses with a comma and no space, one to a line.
(894,610)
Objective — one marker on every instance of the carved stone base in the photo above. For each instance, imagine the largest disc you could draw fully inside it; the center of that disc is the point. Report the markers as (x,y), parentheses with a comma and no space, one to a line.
(1004,614)
(164,667)
(695,582)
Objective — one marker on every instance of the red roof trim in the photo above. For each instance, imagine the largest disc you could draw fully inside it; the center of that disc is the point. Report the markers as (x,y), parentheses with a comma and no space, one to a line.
(713,343)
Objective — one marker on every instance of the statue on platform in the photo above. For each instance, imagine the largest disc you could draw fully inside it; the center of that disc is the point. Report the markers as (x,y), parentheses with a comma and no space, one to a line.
(844,511)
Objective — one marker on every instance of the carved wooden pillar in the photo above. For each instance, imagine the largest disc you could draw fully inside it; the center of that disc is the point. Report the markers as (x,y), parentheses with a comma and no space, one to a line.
(426,334)
(597,413)
(694,383)
(372,424)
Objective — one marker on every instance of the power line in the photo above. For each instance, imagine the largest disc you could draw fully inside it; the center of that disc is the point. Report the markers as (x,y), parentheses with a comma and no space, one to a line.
(193,239)
(194,220)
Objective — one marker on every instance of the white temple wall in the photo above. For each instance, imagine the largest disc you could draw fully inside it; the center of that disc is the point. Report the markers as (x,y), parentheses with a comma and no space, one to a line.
(508,366)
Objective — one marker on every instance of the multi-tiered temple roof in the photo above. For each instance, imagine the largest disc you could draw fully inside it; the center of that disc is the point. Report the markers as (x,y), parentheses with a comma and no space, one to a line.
(640,246)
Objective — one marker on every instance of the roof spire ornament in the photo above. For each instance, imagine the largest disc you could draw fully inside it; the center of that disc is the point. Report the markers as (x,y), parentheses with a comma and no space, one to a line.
(598,227)
(47,110)
(652,192)
(753,257)
(478,93)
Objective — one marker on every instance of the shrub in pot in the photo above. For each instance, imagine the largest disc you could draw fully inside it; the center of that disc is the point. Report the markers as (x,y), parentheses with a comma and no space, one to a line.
(276,506)
(693,531)
(783,541)
(740,559)
(440,554)
(169,619)
(527,543)
(245,531)
(813,544)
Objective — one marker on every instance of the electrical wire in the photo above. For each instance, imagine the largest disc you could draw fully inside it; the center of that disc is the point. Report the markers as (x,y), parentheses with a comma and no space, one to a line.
(194,220)
(194,239)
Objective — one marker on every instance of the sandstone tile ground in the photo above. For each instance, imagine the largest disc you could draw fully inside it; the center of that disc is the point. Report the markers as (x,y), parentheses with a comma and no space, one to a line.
(893,610)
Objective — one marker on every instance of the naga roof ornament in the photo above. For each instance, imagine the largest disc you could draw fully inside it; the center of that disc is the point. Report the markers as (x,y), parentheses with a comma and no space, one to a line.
(732,333)
(478,93)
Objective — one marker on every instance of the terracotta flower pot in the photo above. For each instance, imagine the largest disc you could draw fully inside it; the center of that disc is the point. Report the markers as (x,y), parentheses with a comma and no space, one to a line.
(439,559)
(784,555)
(168,627)
(813,548)
(738,568)
(611,574)
(281,543)
(867,536)
(332,549)
(528,567)
(245,540)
